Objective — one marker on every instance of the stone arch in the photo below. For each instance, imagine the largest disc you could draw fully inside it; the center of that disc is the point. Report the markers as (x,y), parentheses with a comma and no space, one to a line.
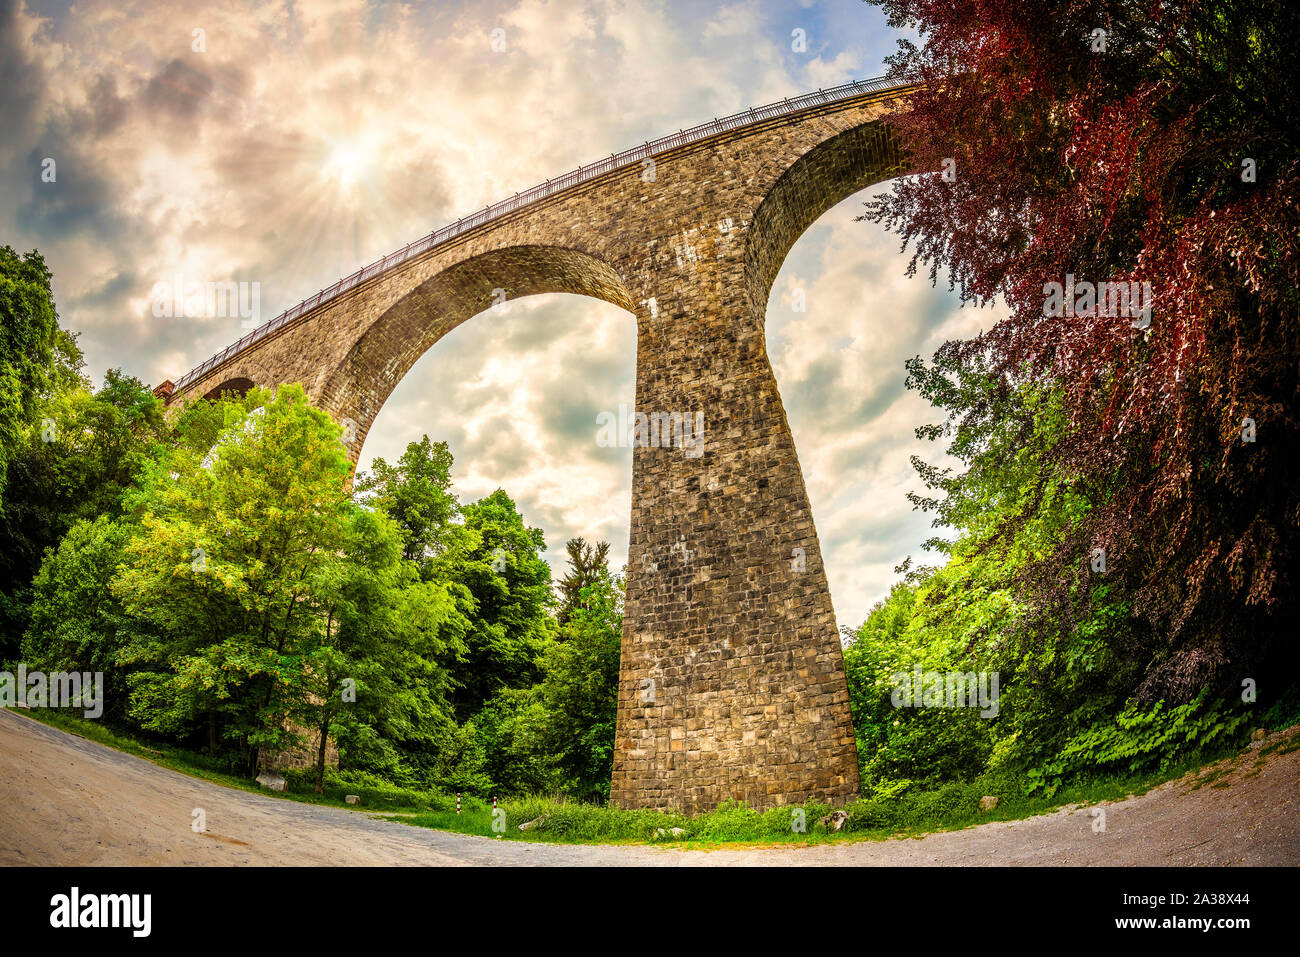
(358,387)
(238,386)
(728,614)
(828,173)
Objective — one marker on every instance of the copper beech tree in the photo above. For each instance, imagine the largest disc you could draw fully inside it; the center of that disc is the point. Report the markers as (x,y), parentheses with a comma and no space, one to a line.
(1075,143)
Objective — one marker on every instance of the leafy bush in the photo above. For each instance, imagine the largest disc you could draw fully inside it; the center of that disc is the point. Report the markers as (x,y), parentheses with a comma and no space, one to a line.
(566,819)
(1143,740)
(375,792)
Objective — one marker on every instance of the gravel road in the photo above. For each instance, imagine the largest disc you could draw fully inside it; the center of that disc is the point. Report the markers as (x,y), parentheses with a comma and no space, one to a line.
(65,800)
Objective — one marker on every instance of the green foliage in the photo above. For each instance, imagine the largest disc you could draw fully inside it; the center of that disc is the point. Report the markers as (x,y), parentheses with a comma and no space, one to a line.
(29,339)
(568,820)
(371,674)
(558,735)
(243,593)
(417,494)
(376,792)
(77,623)
(923,744)
(1143,740)
(578,693)
(244,597)
(1067,677)
(73,461)
(238,552)
(506,728)
(496,560)
(588,565)
(1284,711)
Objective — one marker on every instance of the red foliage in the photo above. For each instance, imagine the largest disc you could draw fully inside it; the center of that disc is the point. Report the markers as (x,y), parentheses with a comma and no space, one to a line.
(1117,164)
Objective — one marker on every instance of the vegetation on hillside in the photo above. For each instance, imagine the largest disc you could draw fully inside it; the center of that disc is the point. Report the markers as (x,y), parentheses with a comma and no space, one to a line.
(1119,536)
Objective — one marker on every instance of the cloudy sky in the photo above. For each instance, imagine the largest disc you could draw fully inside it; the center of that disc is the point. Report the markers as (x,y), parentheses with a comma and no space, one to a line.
(289,143)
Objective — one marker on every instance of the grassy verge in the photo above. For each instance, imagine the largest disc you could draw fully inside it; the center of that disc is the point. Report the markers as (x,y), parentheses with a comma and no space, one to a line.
(948,807)
(300,783)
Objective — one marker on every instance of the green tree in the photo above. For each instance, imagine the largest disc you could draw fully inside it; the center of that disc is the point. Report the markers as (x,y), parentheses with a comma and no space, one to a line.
(559,733)
(1016,500)
(578,693)
(1066,677)
(372,677)
(588,564)
(77,623)
(74,461)
(497,560)
(514,758)
(416,492)
(29,339)
(236,550)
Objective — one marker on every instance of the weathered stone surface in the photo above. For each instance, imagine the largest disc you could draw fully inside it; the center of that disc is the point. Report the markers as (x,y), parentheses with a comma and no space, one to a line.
(732,682)
(988,802)
(269,779)
(352,799)
(305,756)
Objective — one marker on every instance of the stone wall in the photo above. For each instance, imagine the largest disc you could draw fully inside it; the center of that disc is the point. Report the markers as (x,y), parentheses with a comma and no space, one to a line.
(304,757)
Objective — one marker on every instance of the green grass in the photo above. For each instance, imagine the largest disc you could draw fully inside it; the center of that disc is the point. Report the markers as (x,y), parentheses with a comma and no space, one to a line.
(949,807)
(300,784)
(912,813)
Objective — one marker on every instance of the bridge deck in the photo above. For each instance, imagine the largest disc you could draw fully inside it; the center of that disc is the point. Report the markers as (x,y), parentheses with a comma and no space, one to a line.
(754,117)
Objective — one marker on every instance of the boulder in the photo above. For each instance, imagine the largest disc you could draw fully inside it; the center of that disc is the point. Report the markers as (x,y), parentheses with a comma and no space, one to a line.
(670,832)
(352,798)
(988,802)
(835,820)
(534,823)
(269,779)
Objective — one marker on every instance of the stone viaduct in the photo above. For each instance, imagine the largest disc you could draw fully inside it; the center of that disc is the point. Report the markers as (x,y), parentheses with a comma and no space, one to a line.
(732,682)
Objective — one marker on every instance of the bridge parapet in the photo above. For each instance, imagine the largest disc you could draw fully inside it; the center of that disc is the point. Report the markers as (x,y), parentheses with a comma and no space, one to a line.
(752,117)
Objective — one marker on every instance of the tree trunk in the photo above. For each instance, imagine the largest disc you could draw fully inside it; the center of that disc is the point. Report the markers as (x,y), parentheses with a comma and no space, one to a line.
(320,755)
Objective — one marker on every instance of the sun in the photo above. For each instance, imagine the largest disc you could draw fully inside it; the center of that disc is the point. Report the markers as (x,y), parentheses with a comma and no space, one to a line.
(348,163)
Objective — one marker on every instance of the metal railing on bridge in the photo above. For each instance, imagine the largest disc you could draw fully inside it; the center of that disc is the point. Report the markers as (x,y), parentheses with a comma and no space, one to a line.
(580,175)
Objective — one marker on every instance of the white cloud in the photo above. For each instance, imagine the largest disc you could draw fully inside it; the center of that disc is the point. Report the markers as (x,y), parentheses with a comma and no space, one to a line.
(311,138)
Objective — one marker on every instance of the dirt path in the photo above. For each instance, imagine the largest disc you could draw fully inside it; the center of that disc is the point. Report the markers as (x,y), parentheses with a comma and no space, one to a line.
(65,800)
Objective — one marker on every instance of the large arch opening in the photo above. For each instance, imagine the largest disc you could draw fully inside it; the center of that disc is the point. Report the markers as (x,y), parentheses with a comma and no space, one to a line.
(238,387)
(484,284)
(841,319)
(516,396)
(824,176)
